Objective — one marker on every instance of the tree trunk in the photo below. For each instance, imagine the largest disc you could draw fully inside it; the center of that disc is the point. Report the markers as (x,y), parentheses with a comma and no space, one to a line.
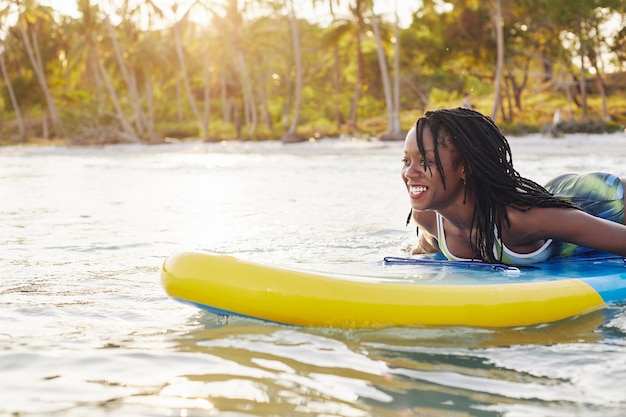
(237,121)
(519,88)
(337,85)
(295,33)
(14,103)
(397,128)
(32,50)
(496,16)
(150,116)
(226,106)
(94,69)
(266,117)
(130,83)
(423,98)
(508,87)
(583,87)
(548,66)
(354,108)
(600,81)
(207,91)
(183,70)
(393,122)
(583,81)
(248,96)
(126,126)
(568,95)
(384,72)
(179,100)
(292,133)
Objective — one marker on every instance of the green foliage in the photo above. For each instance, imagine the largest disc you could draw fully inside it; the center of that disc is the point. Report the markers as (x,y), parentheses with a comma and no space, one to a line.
(249,62)
(82,112)
(27,92)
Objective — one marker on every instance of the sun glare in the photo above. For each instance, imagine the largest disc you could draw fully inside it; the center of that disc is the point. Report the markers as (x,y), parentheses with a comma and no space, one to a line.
(201,15)
(173,9)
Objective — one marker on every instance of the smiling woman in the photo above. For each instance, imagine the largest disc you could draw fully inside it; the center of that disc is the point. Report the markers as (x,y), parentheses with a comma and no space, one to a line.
(470,203)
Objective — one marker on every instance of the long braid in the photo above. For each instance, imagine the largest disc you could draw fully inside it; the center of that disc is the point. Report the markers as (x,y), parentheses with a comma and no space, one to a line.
(489,173)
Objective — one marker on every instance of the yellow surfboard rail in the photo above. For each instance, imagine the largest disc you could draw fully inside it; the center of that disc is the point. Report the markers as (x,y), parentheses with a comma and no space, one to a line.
(232,286)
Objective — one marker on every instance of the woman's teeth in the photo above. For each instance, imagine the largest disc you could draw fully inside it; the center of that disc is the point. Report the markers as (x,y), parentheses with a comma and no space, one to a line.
(414,190)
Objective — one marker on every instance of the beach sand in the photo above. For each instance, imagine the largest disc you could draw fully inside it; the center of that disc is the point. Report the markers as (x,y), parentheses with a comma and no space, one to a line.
(613,144)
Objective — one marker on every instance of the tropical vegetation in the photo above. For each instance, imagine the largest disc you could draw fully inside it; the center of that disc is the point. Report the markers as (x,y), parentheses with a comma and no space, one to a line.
(136,71)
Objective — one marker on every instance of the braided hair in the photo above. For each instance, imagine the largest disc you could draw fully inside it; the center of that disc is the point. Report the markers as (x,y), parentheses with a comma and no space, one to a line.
(489,173)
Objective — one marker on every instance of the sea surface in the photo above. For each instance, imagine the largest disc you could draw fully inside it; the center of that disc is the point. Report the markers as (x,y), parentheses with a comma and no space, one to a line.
(87,330)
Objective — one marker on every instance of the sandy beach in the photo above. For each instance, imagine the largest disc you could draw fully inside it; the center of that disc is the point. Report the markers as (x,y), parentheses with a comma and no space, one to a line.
(613,144)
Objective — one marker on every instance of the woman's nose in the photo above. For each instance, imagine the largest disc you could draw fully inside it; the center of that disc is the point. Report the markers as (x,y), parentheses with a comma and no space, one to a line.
(414,170)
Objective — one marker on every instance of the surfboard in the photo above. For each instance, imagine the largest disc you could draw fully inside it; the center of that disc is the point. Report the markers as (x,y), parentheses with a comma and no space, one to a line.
(418,291)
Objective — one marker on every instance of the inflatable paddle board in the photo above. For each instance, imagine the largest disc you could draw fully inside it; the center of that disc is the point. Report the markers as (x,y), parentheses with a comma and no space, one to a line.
(412,292)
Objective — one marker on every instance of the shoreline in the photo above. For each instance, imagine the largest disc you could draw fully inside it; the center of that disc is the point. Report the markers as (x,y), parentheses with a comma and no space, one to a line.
(574,144)
(536,144)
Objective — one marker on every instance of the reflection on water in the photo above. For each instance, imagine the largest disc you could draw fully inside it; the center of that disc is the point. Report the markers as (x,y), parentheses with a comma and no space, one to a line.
(378,372)
(87,330)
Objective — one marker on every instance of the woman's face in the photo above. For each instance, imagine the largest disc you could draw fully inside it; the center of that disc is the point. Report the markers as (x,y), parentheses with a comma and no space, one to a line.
(423,181)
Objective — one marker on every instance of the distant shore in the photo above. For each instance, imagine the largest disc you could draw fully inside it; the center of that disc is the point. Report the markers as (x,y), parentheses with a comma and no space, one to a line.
(610,144)
(530,146)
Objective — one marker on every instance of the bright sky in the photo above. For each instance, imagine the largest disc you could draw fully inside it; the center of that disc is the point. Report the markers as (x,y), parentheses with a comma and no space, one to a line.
(303,8)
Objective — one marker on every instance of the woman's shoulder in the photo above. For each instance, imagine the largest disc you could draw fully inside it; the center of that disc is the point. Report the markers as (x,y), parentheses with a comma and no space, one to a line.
(536,223)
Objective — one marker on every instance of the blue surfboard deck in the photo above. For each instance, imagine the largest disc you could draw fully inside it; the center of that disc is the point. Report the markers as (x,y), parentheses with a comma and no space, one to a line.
(606,273)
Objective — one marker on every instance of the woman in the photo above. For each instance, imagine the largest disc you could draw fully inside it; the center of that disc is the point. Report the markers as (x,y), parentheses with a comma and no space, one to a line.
(470,203)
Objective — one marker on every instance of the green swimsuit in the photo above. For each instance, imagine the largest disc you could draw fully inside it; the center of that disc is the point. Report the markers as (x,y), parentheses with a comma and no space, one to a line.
(599,194)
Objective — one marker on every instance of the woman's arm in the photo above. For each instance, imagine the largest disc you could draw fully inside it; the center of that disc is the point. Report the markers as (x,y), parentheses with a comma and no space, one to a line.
(425,244)
(426,239)
(574,226)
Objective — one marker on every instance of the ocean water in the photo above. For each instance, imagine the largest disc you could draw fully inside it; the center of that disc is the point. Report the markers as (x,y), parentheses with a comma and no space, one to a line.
(86,329)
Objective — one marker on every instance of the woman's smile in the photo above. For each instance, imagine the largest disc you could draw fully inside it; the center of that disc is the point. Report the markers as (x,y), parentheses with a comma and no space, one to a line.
(417,191)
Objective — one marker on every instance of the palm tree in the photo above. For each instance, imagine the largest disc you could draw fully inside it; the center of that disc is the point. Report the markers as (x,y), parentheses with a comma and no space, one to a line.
(92,27)
(30,17)
(357,9)
(141,121)
(226,42)
(185,75)
(239,45)
(291,135)
(14,103)
(139,56)
(4,13)
(394,131)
